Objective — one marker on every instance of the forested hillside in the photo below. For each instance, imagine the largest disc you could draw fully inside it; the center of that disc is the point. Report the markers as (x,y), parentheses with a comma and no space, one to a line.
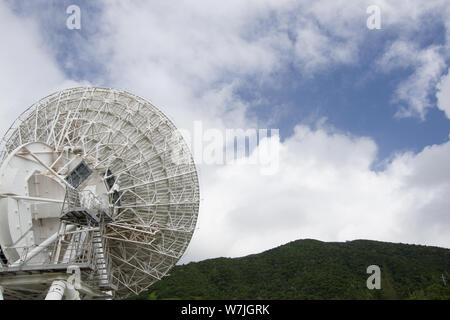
(311,269)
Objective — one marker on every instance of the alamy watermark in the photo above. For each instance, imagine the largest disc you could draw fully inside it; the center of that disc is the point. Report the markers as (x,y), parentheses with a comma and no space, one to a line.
(212,146)
(73,22)
(374,20)
(374,281)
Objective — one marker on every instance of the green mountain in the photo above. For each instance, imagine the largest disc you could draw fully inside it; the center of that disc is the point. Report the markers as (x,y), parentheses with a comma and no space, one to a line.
(311,269)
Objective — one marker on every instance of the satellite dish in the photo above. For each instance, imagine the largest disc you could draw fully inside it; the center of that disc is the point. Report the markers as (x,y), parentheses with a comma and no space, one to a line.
(99,197)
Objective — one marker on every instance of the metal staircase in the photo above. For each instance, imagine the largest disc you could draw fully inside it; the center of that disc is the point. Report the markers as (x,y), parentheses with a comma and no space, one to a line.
(102,263)
(84,210)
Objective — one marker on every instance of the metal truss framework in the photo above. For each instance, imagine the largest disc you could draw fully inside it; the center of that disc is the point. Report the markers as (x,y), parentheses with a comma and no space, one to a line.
(151,176)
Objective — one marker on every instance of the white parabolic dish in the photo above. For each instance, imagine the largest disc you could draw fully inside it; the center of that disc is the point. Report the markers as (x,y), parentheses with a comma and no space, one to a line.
(98,179)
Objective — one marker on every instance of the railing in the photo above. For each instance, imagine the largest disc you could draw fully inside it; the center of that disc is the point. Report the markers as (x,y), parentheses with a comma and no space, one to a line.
(84,208)
(72,246)
(90,201)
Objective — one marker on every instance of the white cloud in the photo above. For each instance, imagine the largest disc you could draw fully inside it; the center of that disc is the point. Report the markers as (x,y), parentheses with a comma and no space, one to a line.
(27,69)
(406,21)
(189,57)
(416,89)
(325,189)
(427,64)
(328,33)
(443,94)
(314,50)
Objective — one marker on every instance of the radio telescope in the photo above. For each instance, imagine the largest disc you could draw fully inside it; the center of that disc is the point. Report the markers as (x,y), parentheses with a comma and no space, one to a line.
(99,197)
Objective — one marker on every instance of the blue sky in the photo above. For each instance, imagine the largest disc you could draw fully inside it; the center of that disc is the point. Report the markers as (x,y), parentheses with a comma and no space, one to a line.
(365,108)
(363,114)
(357,99)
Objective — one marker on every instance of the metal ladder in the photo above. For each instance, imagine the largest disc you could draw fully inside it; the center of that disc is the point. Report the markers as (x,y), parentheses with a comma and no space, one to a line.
(101,260)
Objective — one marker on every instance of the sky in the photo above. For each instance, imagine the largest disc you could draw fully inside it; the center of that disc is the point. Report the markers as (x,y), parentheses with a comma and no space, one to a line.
(363,114)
